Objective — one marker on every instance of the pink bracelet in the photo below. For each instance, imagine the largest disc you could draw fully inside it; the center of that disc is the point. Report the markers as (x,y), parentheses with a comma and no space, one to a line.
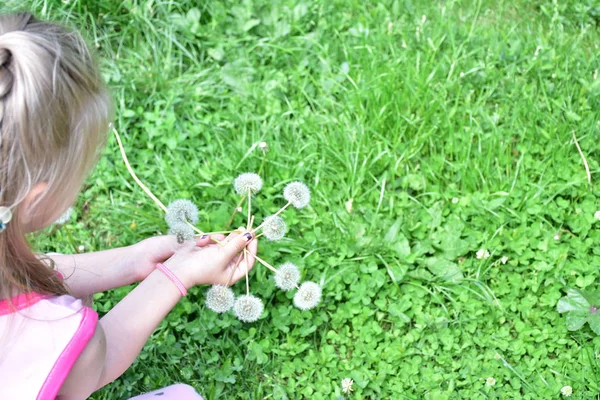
(173,278)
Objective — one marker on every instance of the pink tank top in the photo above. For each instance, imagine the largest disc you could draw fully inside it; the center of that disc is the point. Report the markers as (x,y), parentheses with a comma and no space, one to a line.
(41,337)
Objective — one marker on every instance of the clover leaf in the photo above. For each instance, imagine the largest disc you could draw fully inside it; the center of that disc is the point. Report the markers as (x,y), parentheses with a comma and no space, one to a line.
(581,307)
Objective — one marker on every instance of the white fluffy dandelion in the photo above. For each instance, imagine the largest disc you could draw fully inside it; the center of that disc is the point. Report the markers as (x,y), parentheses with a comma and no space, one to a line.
(287,276)
(490,381)
(482,253)
(308,296)
(65,217)
(182,232)
(297,193)
(566,391)
(220,298)
(181,211)
(248,308)
(347,385)
(247,183)
(274,228)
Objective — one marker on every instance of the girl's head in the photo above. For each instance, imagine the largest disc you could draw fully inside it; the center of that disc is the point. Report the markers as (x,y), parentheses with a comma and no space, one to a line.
(54,116)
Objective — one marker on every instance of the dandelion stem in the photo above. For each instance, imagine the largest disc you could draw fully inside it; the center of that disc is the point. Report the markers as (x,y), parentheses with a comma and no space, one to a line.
(249,209)
(217,232)
(274,215)
(133,175)
(235,210)
(235,267)
(263,262)
(198,231)
(585,163)
(141,184)
(247,267)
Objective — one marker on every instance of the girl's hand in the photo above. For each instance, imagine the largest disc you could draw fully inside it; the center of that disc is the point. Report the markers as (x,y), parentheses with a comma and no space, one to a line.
(207,262)
(149,252)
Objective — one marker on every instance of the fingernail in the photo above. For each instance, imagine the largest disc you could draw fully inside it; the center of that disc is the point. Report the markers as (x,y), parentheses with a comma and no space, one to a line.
(248,236)
(203,237)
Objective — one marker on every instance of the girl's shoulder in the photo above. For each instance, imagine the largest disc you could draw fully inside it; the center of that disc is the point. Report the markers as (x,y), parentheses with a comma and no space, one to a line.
(41,338)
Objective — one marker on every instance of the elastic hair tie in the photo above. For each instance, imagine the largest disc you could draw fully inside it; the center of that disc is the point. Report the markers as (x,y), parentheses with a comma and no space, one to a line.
(5,217)
(163,268)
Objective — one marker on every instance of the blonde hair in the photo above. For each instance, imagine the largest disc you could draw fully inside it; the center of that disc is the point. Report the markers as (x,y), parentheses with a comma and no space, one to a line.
(54,117)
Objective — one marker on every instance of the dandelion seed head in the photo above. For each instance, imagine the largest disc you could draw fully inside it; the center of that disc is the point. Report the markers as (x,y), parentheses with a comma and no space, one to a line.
(247,183)
(308,296)
(220,298)
(182,232)
(287,276)
(557,237)
(347,385)
(490,381)
(181,211)
(65,217)
(248,308)
(455,200)
(274,228)
(297,193)
(566,391)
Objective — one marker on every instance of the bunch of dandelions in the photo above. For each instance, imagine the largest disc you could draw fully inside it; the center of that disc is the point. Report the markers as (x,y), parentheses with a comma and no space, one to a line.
(248,307)
(182,216)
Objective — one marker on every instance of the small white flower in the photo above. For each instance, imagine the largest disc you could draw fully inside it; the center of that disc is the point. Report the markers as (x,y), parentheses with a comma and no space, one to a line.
(297,193)
(566,391)
(597,215)
(490,381)
(504,260)
(81,248)
(247,183)
(455,200)
(497,356)
(65,217)
(347,385)
(287,277)
(557,237)
(239,209)
(308,296)
(482,253)
(274,228)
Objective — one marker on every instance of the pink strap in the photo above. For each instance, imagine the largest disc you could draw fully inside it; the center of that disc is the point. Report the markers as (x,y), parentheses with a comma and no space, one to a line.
(172,277)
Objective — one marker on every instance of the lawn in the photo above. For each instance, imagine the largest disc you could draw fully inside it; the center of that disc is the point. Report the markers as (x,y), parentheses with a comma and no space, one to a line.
(429,133)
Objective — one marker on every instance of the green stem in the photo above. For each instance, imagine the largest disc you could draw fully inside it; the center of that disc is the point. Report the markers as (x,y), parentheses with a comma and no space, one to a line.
(282,209)
(235,210)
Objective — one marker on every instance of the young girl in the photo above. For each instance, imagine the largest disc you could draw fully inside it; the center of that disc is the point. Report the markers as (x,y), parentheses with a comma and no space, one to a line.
(54,117)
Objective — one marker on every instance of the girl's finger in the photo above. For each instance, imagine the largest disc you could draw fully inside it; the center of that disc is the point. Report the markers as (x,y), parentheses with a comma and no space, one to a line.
(202,240)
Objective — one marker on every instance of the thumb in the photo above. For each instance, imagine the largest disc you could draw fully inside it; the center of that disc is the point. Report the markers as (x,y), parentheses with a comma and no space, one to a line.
(236,245)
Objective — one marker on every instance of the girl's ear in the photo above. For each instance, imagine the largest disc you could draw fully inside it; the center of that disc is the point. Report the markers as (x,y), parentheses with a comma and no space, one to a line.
(30,215)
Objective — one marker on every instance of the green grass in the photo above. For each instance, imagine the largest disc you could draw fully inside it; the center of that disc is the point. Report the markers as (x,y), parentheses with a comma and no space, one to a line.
(376,106)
